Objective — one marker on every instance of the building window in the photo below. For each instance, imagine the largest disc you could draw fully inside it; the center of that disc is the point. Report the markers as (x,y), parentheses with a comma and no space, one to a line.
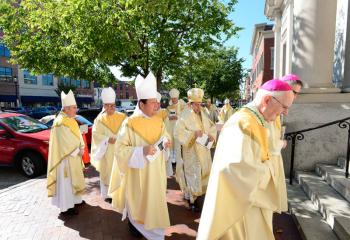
(5,74)
(47,80)
(4,51)
(75,82)
(86,84)
(78,83)
(65,81)
(4,71)
(272,63)
(28,78)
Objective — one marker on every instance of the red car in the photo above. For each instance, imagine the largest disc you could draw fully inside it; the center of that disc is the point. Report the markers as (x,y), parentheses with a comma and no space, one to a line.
(24,143)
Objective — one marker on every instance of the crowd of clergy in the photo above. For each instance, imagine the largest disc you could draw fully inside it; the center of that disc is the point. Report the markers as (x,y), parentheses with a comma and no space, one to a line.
(242,186)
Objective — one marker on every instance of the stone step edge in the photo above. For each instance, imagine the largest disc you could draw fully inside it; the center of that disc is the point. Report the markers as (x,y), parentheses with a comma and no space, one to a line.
(326,213)
(311,227)
(333,179)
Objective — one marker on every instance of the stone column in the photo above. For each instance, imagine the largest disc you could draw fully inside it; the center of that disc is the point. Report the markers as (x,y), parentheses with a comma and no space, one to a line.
(341,63)
(313,44)
(277,51)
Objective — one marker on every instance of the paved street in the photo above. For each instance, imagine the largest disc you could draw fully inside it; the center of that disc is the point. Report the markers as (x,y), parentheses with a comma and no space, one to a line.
(9,177)
(26,213)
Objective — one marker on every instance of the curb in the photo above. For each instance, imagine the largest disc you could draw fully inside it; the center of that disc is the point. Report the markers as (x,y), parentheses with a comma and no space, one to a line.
(19,186)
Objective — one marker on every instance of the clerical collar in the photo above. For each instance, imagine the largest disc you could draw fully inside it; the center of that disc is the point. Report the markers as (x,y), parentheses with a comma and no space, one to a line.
(143,114)
(250,106)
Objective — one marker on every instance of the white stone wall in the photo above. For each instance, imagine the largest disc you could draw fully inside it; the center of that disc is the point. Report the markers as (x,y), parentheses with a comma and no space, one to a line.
(321,145)
(313,42)
(308,27)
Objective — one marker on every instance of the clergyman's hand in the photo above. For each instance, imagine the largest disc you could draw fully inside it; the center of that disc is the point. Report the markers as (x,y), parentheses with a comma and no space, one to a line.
(198,133)
(149,150)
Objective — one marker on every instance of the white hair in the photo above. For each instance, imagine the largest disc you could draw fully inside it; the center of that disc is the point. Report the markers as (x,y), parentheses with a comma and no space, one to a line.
(262,93)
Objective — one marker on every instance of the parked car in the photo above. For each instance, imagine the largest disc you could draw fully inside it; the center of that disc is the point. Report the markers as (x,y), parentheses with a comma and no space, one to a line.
(21,110)
(123,106)
(52,109)
(129,112)
(39,112)
(89,114)
(24,143)
(48,120)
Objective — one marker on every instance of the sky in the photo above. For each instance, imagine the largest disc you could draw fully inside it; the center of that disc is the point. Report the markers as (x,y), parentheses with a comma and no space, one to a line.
(247,13)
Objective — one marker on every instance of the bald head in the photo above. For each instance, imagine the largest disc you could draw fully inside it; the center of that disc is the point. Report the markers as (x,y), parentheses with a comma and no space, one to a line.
(271,104)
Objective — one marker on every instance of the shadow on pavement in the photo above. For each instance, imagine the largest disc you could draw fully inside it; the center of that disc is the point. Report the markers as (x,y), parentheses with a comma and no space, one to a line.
(94,222)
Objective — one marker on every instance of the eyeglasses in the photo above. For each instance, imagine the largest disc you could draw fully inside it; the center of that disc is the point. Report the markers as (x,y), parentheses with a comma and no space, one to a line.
(283,106)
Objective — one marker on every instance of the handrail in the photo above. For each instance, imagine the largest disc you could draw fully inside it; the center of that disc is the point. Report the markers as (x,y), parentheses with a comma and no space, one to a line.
(298,135)
(320,126)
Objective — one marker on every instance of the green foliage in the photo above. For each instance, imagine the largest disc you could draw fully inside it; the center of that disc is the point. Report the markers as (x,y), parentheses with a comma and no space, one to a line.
(218,72)
(65,89)
(81,38)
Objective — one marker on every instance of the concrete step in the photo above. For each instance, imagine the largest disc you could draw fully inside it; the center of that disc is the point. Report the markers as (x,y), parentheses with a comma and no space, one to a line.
(342,162)
(306,216)
(342,227)
(328,201)
(335,177)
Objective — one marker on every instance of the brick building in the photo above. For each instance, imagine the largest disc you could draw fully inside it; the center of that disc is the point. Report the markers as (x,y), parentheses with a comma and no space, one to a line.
(262,51)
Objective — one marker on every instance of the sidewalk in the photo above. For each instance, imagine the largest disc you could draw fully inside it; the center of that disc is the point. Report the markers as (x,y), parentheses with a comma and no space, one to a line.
(26,213)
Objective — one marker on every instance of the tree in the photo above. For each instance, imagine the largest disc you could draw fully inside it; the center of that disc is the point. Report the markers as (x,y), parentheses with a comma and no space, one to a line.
(81,38)
(64,88)
(218,72)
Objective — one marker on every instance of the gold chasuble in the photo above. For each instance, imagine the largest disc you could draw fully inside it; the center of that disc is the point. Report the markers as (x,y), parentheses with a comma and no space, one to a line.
(241,194)
(105,127)
(141,190)
(174,110)
(193,174)
(275,145)
(212,112)
(162,114)
(65,138)
(225,113)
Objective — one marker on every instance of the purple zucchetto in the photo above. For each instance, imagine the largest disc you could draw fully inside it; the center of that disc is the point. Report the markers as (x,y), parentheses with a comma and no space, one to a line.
(276,85)
(290,77)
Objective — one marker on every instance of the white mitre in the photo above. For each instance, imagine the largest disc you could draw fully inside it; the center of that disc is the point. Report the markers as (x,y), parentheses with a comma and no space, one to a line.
(108,95)
(146,88)
(68,99)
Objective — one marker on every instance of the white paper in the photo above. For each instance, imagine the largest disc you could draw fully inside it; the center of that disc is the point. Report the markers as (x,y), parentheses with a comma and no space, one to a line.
(84,128)
(75,152)
(204,141)
(159,145)
(100,150)
(137,159)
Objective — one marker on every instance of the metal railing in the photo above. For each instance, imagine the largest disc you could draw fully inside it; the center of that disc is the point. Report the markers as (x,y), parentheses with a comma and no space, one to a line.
(298,135)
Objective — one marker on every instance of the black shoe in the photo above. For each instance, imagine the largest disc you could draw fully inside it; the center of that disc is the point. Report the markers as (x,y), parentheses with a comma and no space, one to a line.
(108,200)
(70,212)
(193,208)
(133,231)
(81,204)
(197,204)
